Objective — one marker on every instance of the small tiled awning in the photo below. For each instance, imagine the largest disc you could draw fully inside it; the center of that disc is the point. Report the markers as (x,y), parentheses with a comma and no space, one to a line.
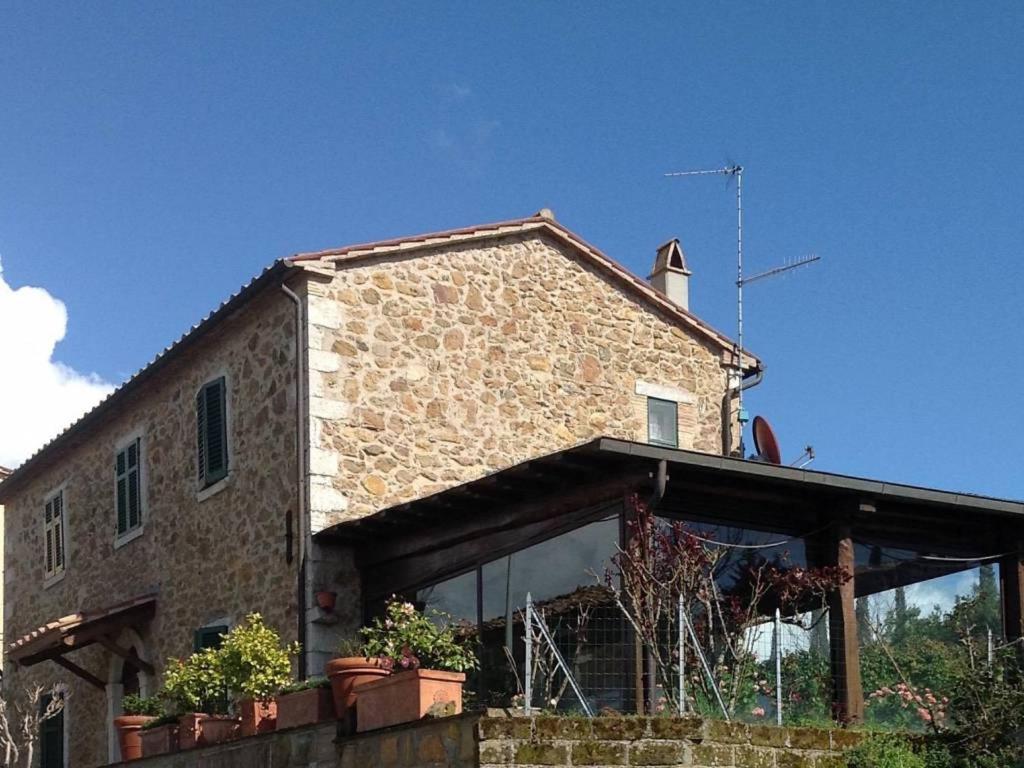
(56,638)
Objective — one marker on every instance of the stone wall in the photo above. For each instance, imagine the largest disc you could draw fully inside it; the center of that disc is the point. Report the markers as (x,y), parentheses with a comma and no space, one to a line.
(431,369)
(656,741)
(209,560)
(472,741)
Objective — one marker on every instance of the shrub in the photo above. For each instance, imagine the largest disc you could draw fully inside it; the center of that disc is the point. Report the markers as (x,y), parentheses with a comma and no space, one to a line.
(196,684)
(133,704)
(884,752)
(410,639)
(162,720)
(253,661)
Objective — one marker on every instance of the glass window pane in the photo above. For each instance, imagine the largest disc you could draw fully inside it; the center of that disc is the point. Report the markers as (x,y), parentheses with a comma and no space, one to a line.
(456,596)
(662,422)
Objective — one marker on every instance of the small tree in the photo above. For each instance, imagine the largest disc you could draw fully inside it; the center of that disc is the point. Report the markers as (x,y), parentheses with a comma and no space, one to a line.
(20,722)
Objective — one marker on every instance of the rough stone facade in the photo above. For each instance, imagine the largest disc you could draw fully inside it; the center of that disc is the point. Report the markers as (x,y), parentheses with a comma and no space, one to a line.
(431,369)
(207,560)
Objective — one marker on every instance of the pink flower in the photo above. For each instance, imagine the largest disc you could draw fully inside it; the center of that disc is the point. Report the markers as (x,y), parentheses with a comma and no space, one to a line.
(757,711)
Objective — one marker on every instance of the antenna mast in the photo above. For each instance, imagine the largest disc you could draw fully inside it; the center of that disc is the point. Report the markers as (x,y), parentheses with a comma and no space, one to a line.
(736,171)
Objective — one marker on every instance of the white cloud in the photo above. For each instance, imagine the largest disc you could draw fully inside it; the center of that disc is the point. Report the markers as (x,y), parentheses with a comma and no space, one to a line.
(39,396)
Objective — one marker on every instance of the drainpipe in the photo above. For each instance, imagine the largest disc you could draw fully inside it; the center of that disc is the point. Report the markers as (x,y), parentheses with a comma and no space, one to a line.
(748,382)
(300,462)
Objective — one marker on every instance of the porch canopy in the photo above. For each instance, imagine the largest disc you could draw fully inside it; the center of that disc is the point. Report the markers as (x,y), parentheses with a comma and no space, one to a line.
(57,638)
(886,535)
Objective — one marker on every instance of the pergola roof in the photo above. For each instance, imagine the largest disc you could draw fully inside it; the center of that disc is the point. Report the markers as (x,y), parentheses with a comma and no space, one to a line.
(61,636)
(522,504)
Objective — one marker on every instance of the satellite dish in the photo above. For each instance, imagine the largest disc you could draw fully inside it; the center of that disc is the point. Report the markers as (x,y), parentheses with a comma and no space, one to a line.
(765,443)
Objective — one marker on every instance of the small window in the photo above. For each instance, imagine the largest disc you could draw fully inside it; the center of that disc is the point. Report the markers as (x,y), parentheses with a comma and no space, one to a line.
(212,432)
(662,422)
(53,535)
(209,637)
(128,485)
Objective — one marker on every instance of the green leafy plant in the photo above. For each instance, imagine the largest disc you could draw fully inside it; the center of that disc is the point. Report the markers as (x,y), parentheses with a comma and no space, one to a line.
(196,684)
(884,751)
(134,704)
(305,685)
(253,661)
(162,720)
(409,639)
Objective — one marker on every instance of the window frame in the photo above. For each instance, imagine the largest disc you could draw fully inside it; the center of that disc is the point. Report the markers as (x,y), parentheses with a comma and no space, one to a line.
(661,402)
(130,533)
(54,575)
(205,486)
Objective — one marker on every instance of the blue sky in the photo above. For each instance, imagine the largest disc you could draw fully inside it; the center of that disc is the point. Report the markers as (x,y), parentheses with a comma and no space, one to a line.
(153,157)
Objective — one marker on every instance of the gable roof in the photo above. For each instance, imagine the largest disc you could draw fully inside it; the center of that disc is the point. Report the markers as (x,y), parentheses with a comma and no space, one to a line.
(540,223)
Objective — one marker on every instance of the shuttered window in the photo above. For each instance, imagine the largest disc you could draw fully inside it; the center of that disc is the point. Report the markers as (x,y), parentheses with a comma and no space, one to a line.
(212,432)
(53,535)
(51,738)
(128,487)
(209,637)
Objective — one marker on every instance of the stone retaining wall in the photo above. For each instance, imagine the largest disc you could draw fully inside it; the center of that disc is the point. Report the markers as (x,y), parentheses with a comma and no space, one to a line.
(473,741)
(656,741)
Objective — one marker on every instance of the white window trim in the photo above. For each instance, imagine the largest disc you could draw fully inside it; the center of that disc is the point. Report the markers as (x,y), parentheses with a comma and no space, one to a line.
(57,576)
(202,494)
(120,539)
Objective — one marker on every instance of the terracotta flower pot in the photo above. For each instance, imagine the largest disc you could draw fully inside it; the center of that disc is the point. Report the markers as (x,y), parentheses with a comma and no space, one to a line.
(408,696)
(348,672)
(326,600)
(216,729)
(162,740)
(129,732)
(314,705)
(257,716)
(190,729)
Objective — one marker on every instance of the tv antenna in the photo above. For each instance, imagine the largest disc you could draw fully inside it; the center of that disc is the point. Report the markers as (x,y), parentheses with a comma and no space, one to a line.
(736,171)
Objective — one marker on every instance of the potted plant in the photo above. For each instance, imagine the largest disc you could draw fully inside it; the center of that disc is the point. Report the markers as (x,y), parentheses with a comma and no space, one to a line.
(352,667)
(429,662)
(137,711)
(305,702)
(255,665)
(159,736)
(196,688)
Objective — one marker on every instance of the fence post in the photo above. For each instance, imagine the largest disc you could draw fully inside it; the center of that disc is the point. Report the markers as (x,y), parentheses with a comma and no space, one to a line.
(778,667)
(682,657)
(528,674)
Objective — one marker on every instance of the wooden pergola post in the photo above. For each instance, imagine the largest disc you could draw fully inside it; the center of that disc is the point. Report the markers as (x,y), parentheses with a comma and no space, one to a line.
(1011,590)
(847,693)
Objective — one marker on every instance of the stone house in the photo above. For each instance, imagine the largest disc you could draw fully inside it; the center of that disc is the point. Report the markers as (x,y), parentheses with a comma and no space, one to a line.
(333,385)
(4,472)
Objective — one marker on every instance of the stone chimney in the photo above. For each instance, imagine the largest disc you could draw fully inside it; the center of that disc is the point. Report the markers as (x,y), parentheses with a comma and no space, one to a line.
(670,275)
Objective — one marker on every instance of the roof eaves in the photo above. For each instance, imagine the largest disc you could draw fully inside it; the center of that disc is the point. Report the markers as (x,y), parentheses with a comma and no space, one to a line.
(165,357)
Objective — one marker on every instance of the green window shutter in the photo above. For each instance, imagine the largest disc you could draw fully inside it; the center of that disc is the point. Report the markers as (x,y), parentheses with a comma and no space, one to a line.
(48,534)
(51,739)
(120,471)
(208,637)
(211,411)
(58,531)
(134,490)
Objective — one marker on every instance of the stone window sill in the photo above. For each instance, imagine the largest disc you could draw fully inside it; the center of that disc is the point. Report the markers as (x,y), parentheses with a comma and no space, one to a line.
(204,493)
(49,581)
(131,535)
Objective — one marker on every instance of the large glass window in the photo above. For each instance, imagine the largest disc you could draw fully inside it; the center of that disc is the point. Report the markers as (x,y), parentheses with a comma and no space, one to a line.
(662,422)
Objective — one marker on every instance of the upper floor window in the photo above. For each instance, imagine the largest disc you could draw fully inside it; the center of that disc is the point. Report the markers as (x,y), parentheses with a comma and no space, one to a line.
(53,535)
(662,422)
(212,432)
(128,480)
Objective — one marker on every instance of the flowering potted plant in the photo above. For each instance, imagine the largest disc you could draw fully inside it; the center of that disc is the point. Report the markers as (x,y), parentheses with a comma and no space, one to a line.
(305,702)
(429,662)
(196,690)
(159,736)
(255,665)
(353,666)
(137,711)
